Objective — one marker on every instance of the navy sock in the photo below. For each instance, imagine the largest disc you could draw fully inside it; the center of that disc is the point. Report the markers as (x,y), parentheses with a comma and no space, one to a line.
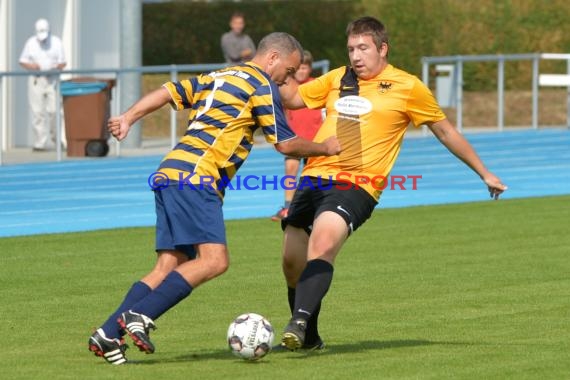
(313,285)
(312,331)
(138,291)
(172,290)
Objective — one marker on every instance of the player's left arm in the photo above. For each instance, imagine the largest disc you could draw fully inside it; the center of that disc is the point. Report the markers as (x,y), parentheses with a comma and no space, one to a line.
(460,147)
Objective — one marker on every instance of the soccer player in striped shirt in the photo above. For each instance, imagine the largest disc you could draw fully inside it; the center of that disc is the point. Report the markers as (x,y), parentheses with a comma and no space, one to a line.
(225,108)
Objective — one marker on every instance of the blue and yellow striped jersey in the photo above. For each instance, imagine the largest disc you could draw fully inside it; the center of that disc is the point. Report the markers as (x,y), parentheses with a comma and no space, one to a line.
(225,108)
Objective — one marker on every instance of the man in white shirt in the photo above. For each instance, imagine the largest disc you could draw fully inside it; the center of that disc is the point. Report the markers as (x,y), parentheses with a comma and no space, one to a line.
(42,52)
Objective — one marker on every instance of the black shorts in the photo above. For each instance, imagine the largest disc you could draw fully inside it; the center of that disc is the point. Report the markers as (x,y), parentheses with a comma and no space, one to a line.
(314,196)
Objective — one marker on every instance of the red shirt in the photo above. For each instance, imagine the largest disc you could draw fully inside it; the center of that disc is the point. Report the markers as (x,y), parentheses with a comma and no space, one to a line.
(305,122)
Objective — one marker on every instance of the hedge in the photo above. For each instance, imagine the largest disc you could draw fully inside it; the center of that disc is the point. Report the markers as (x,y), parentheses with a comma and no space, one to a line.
(189,31)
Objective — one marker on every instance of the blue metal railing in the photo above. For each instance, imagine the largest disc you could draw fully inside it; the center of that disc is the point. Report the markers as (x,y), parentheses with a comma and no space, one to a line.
(457,80)
(173,70)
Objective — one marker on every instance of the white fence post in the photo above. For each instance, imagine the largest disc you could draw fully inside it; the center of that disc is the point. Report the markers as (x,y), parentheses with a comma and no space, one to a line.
(535,68)
(568,95)
(459,92)
(501,93)
(173,78)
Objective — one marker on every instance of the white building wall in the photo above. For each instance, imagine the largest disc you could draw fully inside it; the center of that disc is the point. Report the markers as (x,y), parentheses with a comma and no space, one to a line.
(4,47)
(89,30)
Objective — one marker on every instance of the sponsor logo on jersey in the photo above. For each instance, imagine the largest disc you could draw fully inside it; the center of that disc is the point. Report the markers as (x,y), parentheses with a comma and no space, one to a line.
(353,105)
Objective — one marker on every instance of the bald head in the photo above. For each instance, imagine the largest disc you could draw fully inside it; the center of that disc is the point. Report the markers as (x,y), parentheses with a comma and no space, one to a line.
(284,43)
(279,55)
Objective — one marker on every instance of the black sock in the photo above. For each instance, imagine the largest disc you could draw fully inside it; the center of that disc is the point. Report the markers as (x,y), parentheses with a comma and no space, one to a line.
(312,331)
(312,288)
(291,298)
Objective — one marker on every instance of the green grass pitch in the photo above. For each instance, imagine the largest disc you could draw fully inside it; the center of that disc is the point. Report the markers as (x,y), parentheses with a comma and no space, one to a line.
(468,291)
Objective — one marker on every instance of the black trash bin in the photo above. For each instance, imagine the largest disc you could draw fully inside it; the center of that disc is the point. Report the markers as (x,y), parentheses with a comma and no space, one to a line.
(86,108)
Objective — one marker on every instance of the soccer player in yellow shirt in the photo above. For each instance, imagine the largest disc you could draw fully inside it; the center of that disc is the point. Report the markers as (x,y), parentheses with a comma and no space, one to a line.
(369,105)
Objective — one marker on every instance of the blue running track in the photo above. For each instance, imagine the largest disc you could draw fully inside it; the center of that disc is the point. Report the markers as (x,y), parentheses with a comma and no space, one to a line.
(113,192)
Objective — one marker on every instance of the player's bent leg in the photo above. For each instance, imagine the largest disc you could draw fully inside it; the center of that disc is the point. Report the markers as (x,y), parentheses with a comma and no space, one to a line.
(295,243)
(170,289)
(166,262)
(329,233)
(212,260)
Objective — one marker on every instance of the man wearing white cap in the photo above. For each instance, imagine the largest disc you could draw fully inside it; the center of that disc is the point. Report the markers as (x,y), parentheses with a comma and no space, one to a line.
(43,51)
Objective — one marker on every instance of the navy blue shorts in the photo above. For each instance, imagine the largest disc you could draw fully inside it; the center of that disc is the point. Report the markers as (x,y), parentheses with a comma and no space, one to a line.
(185,217)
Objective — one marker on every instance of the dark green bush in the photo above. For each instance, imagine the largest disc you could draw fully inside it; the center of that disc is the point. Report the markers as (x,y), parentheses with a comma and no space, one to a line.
(189,31)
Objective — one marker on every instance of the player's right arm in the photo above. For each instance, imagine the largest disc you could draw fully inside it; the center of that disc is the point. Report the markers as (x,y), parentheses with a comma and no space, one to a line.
(290,95)
(312,94)
(299,147)
(119,126)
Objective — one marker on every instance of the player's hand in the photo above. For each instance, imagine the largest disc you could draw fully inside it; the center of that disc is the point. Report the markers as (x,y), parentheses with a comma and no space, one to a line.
(118,127)
(495,186)
(332,146)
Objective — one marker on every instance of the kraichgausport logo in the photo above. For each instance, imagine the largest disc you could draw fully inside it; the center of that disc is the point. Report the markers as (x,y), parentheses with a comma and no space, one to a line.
(342,181)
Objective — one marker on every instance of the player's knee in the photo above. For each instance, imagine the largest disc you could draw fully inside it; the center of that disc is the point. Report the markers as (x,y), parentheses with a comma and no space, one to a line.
(223,266)
(288,267)
(322,246)
(218,265)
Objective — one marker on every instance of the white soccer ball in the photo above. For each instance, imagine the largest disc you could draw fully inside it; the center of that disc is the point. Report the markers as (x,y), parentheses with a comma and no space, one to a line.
(250,336)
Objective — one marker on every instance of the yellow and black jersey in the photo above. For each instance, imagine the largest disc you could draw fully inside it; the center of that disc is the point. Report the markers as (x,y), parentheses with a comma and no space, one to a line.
(225,108)
(370,118)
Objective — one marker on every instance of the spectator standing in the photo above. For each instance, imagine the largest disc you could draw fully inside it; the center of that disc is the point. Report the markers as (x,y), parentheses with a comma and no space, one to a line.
(42,52)
(236,45)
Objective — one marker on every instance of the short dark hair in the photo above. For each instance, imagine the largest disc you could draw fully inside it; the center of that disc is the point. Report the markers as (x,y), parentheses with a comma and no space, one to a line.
(282,42)
(371,26)
(237,14)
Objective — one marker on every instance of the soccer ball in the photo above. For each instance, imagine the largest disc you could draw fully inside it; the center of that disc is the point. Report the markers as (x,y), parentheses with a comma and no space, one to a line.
(250,336)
